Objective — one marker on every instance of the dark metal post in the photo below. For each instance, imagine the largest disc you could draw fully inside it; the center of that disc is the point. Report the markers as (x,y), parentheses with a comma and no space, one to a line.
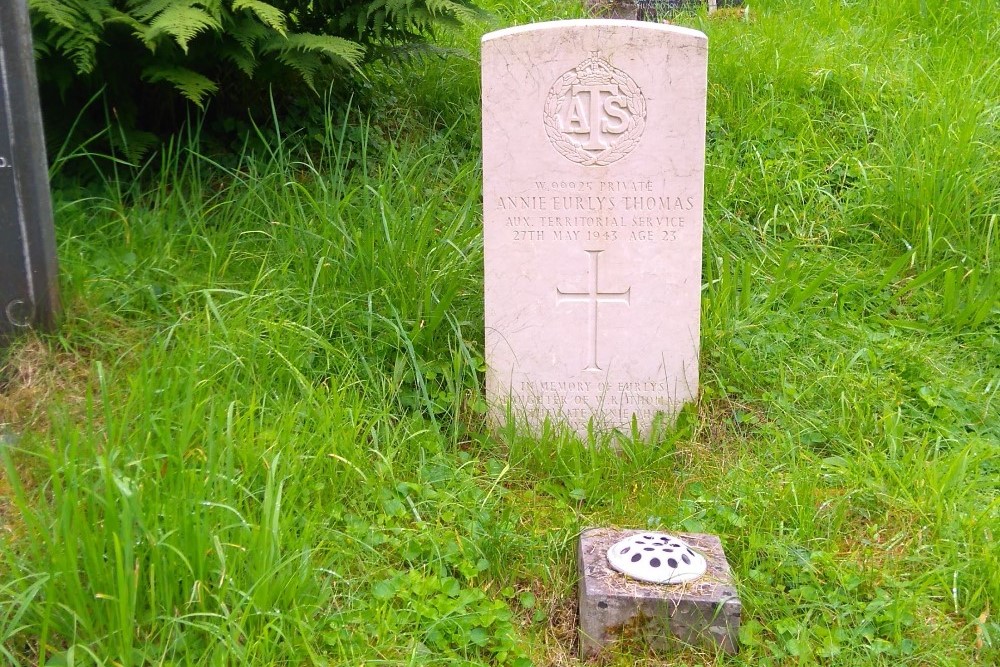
(29,287)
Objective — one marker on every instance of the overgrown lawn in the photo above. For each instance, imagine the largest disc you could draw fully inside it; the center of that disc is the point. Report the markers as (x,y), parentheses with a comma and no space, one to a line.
(258,436)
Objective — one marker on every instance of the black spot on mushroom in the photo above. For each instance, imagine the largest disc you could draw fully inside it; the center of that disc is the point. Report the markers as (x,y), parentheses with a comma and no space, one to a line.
(625,550)
(636,558)
(672,563)
(648,549)
(684,557)
(655,562)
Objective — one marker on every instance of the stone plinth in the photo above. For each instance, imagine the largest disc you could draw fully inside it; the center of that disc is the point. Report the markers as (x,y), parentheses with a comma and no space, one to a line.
(704,612)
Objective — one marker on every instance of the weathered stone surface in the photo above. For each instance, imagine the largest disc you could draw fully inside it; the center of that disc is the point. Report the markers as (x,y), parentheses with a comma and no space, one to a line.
(593,164)
(28,273)
(612,606)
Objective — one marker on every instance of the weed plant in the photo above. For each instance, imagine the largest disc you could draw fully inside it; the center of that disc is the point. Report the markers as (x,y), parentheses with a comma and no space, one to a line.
(258,436)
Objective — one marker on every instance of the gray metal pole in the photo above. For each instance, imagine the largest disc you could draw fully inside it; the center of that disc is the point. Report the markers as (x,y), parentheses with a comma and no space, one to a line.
(29,286)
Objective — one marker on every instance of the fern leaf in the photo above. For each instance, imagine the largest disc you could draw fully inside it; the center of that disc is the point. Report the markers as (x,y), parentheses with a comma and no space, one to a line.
(115,16)
(181,23)
(337,48)
(59,13)
(242,58)
(144,10)
(306,64)
(461,13)
(213,7)
(132,142)
(247,32)
(70,30)
(269,15)
(80,48)
(190,84)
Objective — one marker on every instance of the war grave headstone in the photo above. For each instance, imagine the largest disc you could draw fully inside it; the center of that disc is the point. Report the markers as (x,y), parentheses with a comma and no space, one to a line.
(593,165)
(28,273)
(593,168)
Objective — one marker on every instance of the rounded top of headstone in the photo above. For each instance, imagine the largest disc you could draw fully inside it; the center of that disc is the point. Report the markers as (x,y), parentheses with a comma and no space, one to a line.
(657,558)
(563,25)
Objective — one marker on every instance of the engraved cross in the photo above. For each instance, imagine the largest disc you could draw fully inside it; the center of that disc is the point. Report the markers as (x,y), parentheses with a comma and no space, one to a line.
(592,297)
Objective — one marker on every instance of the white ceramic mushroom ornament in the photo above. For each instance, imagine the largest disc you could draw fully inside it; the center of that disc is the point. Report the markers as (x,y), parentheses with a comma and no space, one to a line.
(657,558)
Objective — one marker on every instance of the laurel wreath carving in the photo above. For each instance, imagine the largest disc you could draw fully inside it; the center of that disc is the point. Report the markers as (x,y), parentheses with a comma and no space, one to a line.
(590,71)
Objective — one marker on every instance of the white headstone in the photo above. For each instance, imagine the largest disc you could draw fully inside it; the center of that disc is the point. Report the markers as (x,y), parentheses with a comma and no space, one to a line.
(593,163)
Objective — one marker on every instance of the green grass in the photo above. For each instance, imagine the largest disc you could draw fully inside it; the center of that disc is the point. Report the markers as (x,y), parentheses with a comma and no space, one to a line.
(257,437)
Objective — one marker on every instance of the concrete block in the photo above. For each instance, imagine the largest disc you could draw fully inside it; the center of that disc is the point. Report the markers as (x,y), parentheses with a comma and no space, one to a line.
(703,612)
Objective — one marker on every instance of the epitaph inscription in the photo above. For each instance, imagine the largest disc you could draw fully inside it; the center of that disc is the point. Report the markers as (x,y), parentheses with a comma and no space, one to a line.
(28,288)
(593,220)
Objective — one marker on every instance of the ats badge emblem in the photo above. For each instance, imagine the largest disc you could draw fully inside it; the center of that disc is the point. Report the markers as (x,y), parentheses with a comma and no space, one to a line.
(595,113)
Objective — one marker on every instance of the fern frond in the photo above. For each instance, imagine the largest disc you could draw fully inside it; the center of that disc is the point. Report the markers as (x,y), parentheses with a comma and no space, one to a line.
(337,48)
(182,23)
(239,56)
(462,13)
(418,51)
(248,32)
(115,16)
(132,142)
(70,29)
(145,10)
(62,14)
(190,84)
(268,15)
(214,7)
(305,64)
